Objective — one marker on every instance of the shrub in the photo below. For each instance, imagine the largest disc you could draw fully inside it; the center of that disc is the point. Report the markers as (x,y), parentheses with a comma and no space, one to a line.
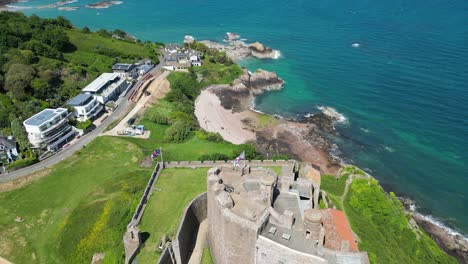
(22,163)
(84,125)
(214,157)
(178,132)
(280,157)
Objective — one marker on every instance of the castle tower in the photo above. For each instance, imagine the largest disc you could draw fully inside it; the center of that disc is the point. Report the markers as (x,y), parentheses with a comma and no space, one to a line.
(312,224)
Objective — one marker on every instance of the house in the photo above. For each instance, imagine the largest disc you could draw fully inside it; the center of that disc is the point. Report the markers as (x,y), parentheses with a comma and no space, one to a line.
(85,107)
(125,70)
(8,150)
(49,129)
(174,48)
(195,58)
(144,69)
(107,87)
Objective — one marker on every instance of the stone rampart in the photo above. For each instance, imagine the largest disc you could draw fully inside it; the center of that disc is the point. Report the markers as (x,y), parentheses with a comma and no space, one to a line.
(209,164)
(193,215)
(144,199)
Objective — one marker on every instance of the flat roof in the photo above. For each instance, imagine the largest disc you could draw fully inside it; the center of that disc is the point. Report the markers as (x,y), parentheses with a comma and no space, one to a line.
(123,66)
(44,116)
(100,81)
(79,100)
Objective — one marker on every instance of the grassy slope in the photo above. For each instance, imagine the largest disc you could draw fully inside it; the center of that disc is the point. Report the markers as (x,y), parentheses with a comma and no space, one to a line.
(380,222)
(67,214)
(86,54)
(215,73)
(191,149)
(162,215)
(206,257)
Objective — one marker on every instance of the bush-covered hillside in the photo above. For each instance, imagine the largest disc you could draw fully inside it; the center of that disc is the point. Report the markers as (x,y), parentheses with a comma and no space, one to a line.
(45,62)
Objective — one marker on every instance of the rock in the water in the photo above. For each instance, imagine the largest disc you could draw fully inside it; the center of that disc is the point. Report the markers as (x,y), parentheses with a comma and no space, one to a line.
(232,36)
(258,47)
(189,39)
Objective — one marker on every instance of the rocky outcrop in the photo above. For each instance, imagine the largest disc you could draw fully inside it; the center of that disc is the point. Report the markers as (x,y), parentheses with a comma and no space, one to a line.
(189,39)
(258,47)
(451,242)
(232,36)
(236,49)
(261,81)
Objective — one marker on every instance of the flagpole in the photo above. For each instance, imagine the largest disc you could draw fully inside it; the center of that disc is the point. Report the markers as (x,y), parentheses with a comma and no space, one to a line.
(162,161)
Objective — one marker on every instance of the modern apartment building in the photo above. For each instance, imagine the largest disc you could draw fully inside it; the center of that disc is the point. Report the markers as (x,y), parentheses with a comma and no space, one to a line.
(85,107)
(49,129)
(107,87)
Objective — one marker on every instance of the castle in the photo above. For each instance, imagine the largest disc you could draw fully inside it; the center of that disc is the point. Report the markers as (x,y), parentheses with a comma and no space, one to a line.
(254,216)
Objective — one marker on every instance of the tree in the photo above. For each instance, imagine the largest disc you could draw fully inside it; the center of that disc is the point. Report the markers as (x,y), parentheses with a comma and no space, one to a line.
(18,132)
(18,80)
(86,30)
(178,132)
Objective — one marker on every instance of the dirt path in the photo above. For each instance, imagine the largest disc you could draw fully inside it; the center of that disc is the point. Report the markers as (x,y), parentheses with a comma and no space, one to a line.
(158,88)
(4,261)
(200,244)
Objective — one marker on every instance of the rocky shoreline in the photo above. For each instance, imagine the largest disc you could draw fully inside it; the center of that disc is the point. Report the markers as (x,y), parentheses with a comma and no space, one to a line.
(304,139)
(449,241)
(237,49)
(232,116)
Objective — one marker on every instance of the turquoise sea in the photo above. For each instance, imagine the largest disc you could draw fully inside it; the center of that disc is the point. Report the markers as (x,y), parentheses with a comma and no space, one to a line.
(403,90)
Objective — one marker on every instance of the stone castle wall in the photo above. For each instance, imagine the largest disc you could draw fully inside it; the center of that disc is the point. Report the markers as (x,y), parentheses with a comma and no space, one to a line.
(209,164)
(193,215)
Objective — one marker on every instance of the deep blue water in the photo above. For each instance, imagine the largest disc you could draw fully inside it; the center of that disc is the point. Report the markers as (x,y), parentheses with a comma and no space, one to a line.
(403,91)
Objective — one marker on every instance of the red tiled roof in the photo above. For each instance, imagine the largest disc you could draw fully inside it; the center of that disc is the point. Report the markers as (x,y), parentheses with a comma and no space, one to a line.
(337,229)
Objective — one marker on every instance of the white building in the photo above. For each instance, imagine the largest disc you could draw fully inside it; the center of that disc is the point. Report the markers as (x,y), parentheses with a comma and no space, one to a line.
(85,107)
(49,128)
(107,87)
(195,58)
(8,149)
(174,48)
(125,70)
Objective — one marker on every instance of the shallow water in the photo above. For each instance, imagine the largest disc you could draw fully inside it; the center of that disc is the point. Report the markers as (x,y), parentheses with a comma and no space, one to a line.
(403,89)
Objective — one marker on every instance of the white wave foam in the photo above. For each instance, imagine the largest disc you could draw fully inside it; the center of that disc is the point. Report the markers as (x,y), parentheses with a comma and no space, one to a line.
(257,111)
(14,8)
(389,149)
(277,54)
(355,45)
(414,208)
(365,130)
(330,111)
(438,223)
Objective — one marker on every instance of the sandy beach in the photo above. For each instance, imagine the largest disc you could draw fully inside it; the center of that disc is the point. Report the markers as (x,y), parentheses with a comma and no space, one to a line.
(237,123)
(214,118)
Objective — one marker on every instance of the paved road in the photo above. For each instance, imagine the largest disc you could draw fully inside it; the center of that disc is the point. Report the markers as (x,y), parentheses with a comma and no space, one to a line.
(119,112)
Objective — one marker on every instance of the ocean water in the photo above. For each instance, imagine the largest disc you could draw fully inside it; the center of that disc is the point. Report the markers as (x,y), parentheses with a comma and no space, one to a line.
(403,90)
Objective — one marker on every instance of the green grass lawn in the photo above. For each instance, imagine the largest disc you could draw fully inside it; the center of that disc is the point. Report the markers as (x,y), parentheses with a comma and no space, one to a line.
(162,215)
(206,257)
(332,185)
(215,73)
(80,208)
(191,149)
